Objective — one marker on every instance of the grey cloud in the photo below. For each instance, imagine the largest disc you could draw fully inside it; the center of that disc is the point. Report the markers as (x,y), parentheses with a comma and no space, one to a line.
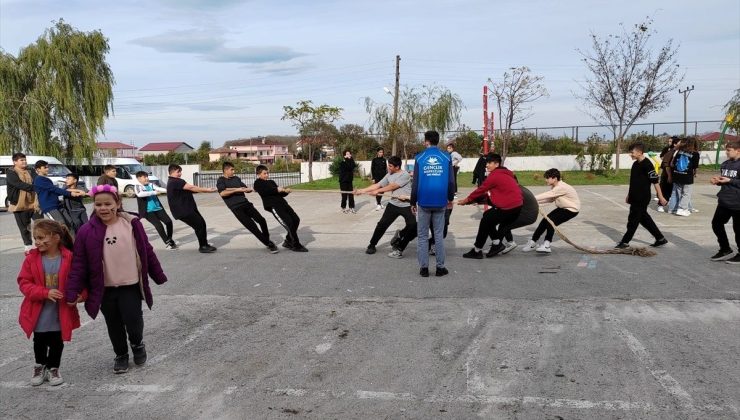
(214,107)
(281,69)
(138,107)
(188,41)
(252,55)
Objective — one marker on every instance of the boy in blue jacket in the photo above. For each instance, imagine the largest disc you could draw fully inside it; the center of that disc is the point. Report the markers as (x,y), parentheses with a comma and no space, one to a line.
(48,195)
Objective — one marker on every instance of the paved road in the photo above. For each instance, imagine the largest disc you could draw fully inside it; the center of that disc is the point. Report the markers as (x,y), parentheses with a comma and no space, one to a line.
(335,333)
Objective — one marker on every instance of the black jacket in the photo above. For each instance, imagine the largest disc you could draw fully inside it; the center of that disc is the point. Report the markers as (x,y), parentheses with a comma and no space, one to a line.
(347,171)
(729,194)
(378,168)
(268,191)
(15,185)
(479,173)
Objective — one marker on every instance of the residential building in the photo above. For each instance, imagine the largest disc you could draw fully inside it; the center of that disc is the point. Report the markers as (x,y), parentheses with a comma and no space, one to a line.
(163,148)
(256,150)
(115,149)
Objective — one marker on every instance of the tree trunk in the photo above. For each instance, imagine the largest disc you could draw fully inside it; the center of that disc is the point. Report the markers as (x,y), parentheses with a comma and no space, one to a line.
(619,148)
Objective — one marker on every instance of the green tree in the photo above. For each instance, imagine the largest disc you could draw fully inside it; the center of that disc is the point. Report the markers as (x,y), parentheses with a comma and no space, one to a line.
(626,81)
(202,155)
(354,137)
(468,143)
(732,109)
(311,122)
(56,94)
(419,109)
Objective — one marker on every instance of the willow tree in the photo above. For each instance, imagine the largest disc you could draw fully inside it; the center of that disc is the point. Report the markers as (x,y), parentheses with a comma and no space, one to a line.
(310,121)
(56,94)
(732,109)
(419,109)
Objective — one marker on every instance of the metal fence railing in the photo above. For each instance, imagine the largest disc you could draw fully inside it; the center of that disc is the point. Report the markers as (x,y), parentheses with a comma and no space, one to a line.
(283,179)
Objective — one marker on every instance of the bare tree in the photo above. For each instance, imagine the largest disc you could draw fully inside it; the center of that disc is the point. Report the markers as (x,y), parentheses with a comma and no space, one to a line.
(513,95)
(627,81)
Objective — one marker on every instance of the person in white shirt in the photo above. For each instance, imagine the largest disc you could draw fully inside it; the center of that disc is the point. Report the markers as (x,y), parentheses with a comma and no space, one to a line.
(456,159)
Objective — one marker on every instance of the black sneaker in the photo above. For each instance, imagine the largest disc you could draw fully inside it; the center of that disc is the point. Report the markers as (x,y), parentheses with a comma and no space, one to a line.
(622,245)
(273,248)
(370,250)
(287,244)
(120,364)
(424,271)
(139,354)
(441,271)
(396,240)
(722,255)
(478,255)
(658,243)
(734,260)
(207,249)
(495,250)
(299,248)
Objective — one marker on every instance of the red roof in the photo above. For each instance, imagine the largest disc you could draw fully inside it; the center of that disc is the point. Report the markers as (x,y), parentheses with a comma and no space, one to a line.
(113,145)
(715,136)
(170,146)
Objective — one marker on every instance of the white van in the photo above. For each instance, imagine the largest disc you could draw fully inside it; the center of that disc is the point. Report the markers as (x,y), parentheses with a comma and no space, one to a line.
(57,170)
(126,169)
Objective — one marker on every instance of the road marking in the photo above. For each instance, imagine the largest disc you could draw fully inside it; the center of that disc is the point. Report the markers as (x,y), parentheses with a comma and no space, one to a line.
(135,388)
(189,339)
(608,199)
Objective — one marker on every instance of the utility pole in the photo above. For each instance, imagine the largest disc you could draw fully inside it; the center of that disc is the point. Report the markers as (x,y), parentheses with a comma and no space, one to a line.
(394,129)
(686,93)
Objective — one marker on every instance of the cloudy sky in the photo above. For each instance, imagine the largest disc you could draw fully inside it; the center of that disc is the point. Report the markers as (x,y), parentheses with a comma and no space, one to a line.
(194,70)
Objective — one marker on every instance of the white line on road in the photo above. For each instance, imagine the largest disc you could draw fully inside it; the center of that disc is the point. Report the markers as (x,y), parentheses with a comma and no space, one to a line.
(135,388)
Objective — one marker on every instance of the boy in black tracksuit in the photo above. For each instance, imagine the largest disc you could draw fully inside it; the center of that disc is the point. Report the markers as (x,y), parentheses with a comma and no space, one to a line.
(378,170)
(232,190)
(346,175)
(728,204)
(642,176)
(273,201)
(75,205)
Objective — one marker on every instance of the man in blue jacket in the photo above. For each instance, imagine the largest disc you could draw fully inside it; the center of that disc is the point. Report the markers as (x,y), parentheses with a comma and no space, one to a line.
(432,191)
(48,195)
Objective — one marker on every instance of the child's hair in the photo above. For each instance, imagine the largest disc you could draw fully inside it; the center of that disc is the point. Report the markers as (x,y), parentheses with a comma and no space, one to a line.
(40,164)
(552,173)
(432,137)
(637,146)
(451,145)
(173,168)
(346,151)
(732,145)
(260,169)
(226,165)
(493,157)
(105,188)
(692,144)
(142,174)
(380,149)
(107,168)
(55,228)
(18,156)
(73,175)
(395,161)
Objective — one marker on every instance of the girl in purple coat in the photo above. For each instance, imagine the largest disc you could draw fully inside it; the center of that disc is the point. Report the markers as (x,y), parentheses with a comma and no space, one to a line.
(113,260)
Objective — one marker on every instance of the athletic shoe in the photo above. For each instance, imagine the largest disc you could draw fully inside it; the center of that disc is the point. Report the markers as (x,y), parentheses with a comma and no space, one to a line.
(658,243)
(432,251)
(299,248)
(424,271)
(55,378)
(477,255)
(171,245)
(396,239)
(722,255)
(382,207)
(345,211)
(287,244)
(396,253)
(694,210)
(508,247)
(120,364)
(544,249)
(273,248)
(441,271)
(370,250)
(207,249)
(683,212)
(139,354)
(40,374)
(661,209)
(353,211)
(734,260)
(530,246)
(495,250)
(622,245)
(378,207)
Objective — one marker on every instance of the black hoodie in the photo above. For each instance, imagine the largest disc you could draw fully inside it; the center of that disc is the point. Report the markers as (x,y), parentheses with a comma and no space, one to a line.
(729,194)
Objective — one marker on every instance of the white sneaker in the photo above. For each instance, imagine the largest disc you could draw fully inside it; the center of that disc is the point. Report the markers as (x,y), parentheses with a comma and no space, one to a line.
(508,247)
(378,207)
(694,210)
(661,209)
(544,249)
(40,374)
(530,246)
(396,253)
(683,212)
(345,211)
(353,211)
(55,378)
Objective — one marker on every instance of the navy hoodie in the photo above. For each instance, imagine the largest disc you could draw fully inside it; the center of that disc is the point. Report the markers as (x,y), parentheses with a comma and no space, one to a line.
(729,194)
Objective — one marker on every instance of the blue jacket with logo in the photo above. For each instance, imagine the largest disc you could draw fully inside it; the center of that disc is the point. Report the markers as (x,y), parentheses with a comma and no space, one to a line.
(434,182)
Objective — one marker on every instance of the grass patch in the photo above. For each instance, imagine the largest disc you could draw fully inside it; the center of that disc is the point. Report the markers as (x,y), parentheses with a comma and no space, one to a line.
(329,184)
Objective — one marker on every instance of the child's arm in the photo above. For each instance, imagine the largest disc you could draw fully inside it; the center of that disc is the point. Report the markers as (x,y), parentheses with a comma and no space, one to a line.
(141,192)
(27,286)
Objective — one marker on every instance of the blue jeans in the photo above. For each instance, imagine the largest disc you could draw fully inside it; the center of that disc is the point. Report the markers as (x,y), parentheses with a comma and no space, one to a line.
(425,216)
(681,197)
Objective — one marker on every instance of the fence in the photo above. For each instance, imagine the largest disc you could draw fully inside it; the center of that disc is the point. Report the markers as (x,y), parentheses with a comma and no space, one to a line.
(283,179)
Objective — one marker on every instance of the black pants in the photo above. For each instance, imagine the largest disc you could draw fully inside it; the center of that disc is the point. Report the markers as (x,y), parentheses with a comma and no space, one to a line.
(196,221)
(347,186)
(158,218)
(78,218)
(639,216)
(448,213)
(455,170)
(493,224)
(23,219)
(665,187)
(47,348)
(721,216)
(391,213)
(286,216)
(379,196)
(60,215)
(121,308)
(250,218)
(558,216)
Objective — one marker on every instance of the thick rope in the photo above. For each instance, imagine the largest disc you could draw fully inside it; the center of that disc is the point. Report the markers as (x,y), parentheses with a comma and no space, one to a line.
(638,251)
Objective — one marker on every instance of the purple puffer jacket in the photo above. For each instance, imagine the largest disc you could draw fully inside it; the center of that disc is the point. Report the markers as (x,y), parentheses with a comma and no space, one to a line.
(87,263)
